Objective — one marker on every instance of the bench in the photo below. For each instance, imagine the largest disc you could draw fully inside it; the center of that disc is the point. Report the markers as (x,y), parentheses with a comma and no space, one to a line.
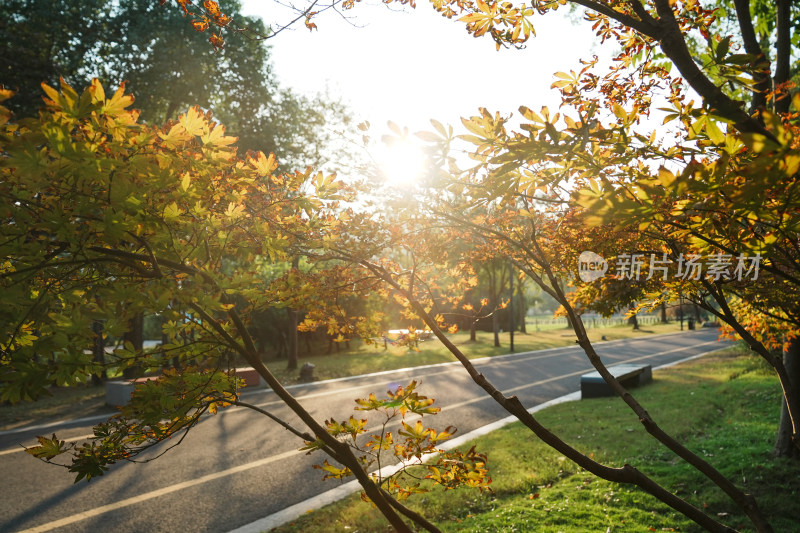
(629,375)
(119,392)
(250,376)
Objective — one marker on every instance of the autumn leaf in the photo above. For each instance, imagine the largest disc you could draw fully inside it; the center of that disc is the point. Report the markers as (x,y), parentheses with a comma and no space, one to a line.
(264,165)
(47,448)
(192,121)
(216,41)
(200,24)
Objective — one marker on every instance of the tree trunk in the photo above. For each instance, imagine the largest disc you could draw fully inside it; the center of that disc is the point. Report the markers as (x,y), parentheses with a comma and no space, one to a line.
(760,67)
(784,447)
(522,312)
(496,328)
(634,322)
(783,52)
(99,353)
(134,335)
(664,313)
(291,356)
(473,328)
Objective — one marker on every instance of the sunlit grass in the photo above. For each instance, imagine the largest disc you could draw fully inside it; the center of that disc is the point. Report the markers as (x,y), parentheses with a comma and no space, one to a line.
(734,403)
(363,359)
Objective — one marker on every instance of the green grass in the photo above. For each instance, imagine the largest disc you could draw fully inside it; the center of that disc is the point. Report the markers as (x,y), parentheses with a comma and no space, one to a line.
(363,359)
(724,407)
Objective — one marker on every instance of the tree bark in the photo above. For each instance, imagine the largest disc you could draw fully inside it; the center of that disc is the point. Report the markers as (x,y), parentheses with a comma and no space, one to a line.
(634,322)
(291,356)
(496,327)
(760,65)
(134,335)
(473,328)
(783,50)
(784,445)
(98,353)
(673,44)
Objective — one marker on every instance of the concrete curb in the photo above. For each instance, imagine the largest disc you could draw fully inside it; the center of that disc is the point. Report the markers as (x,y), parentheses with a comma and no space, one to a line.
(342,491)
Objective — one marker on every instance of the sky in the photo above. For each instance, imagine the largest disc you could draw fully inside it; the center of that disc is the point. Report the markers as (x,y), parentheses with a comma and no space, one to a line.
(410,66)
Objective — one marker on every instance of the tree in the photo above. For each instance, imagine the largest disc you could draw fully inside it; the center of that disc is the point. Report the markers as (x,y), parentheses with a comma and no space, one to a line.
(169,66)
(44,40)
(516,195)
(104,217)
(618,175)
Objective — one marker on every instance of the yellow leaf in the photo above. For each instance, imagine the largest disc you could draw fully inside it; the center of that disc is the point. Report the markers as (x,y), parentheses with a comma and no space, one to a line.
(177,135)
(216,136)
(5,94)
(118,102)
(97,92)
(234,210)
(264,165)
(171,212)
(714,133)
(192,121)
(665,177)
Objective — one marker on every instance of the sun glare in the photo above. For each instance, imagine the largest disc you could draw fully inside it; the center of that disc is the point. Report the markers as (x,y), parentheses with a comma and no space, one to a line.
(401,163)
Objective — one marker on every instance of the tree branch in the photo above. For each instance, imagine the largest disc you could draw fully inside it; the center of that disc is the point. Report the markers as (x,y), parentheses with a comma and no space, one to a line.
(643,26)
(789,394)
(625,474)
(760,63)
(673,44)
(783,50)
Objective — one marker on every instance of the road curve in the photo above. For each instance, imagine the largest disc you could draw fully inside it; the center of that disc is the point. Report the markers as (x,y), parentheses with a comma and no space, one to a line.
(238,466)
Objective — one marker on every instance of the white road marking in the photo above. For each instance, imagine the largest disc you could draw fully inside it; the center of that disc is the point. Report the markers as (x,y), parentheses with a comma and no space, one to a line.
(519,356)
(555,378)
(156,493)
(247,466)
(340,492)
(21,447)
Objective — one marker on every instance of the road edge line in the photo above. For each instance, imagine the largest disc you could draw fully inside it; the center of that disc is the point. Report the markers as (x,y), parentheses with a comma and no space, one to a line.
(476,360)
(254,390)
(332,496)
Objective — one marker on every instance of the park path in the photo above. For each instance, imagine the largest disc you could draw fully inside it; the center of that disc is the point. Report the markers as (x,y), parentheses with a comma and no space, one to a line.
(237,467)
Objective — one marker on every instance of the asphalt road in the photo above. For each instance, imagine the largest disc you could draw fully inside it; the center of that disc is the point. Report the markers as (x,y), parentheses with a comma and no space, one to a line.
(239,466)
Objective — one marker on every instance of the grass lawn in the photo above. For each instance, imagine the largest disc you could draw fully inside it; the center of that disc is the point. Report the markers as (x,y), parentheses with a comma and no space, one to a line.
(363,359)
(77,402)
(732,403)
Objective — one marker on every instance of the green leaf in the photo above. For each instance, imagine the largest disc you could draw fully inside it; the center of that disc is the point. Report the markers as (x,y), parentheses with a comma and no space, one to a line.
(47,448)
(714,133)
